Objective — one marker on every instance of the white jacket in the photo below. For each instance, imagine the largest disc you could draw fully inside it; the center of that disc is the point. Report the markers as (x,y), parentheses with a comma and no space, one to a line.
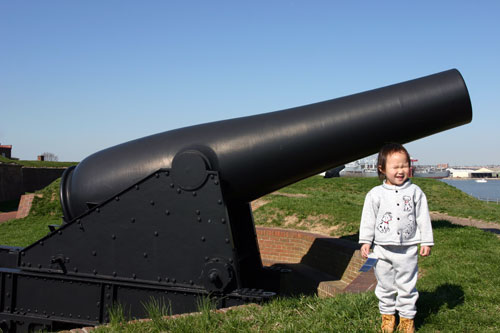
(396,215)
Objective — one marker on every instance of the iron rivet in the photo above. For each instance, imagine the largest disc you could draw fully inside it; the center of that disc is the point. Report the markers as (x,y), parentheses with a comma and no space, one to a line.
(173,280)
(231,260)
(136,187)
(212,176)
(157,175)
(167,173)
(152,203)
(94,253)
(216,182)
(202,238)
(191,282)
(23,254)
(114,273)
(194,194)
(199,219)
(59,232)
(132,220)
(41,243)
(134,276)
(94,271)
(172,185)
(156,233)
(145,255)
(197,212)
(219,202)
(179,190)
(159,278)
(167,212)
(117,198)
(113,236)
(209,221)
(207,258)
(39,265)
(75,270)
(223,220)
(227,240)
(98,210)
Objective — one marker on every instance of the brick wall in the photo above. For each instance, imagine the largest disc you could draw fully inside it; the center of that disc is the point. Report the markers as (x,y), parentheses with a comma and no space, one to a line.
(11,182)
(16,180)
(337,257)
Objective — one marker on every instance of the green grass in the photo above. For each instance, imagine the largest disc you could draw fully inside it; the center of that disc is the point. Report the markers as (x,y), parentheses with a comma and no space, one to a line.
(38,164)
(46,210)
(336,204)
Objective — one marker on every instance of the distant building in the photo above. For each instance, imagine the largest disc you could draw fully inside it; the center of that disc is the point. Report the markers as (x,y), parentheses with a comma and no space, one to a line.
(5,151)
(460,173)
(482,173)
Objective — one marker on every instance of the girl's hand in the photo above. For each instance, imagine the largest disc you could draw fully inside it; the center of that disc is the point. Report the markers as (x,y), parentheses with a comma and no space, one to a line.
(365,250)
(425,250)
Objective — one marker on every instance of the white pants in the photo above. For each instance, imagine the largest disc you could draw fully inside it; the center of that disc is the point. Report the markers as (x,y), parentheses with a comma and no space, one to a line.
(397,271)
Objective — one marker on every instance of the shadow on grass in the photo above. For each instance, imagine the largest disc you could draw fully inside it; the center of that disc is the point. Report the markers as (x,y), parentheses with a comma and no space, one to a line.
(429,303)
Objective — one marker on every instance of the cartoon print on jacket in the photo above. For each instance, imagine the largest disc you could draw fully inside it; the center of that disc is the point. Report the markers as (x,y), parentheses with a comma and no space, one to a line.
(409,229)
(407,201)
(383,225)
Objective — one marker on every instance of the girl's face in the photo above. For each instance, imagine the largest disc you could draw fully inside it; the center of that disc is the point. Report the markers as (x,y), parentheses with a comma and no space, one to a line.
(397,169)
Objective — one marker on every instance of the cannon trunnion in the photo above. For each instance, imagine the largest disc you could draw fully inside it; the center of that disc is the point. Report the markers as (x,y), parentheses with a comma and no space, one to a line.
(167,217)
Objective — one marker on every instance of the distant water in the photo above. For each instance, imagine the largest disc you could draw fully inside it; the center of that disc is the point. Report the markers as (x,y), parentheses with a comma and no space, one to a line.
(489,191)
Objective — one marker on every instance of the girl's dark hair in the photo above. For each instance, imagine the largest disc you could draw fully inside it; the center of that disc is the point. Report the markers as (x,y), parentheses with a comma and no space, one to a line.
(386,150)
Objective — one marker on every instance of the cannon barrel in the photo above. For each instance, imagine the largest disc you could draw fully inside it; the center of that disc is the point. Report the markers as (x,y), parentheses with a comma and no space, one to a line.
(258,154)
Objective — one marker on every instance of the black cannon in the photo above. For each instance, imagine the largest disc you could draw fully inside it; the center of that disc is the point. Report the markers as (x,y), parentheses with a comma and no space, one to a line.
(167,217)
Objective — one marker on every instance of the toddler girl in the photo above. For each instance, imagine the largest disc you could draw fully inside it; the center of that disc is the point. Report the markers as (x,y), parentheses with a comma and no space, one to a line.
(396,219)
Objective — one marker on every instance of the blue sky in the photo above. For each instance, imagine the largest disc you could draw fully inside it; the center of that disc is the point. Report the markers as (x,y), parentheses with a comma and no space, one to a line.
(80,76)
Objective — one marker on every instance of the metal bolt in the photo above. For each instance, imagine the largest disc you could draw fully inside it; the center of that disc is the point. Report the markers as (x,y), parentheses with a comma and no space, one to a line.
(152,203)
(223,220)
(145,255)
(94,253)
(216,182)
(167,212)
(194,194)
(117,198)
(227,240)
(132,220)
(156,233)
(197,212)
(202,238)
(113,236)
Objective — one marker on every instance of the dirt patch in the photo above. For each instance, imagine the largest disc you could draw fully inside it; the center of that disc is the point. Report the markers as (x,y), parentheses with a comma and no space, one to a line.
(256,204)
(291,195)
(484,225)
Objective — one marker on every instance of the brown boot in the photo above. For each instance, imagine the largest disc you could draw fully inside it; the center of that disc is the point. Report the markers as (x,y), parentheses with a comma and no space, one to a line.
(388,323)
(406,325)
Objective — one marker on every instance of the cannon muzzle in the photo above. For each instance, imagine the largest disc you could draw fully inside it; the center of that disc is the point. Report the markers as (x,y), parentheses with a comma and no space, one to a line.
(259,154)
